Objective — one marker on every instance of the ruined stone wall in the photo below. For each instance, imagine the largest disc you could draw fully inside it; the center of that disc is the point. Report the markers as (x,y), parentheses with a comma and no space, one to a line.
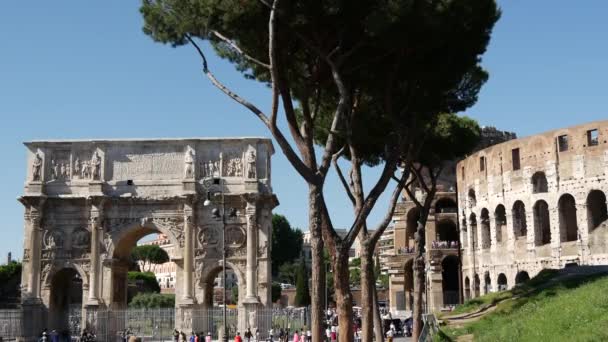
(533,203)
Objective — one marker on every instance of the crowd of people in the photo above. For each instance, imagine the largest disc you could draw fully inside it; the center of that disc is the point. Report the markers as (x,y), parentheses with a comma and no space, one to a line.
(444,244)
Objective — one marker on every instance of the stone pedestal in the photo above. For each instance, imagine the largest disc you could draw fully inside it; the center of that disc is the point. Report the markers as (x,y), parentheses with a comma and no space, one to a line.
(33,320)
(189,187)
(251,185)
(96,188)
(34,189)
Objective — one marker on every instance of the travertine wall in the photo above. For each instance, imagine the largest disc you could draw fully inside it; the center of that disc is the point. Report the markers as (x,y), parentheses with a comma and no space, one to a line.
(545,209)
(88,203)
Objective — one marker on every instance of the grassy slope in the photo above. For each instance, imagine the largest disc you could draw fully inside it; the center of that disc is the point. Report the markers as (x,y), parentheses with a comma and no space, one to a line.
(572,310)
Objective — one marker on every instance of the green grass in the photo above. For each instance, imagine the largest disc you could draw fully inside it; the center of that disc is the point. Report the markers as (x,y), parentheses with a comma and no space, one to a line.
(575,309)
(475,304)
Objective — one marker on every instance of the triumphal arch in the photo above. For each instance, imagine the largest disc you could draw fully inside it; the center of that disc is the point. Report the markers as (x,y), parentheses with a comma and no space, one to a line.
(88,202)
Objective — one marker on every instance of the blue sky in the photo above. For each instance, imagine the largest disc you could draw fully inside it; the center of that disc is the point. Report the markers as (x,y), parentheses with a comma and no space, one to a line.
(84,69)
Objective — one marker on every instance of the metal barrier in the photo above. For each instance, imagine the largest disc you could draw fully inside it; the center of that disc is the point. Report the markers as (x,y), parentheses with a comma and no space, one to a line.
(429,329)
(156,324)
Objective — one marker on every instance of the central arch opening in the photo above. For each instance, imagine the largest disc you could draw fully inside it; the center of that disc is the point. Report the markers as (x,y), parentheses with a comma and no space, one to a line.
(214,284)
(142,267)
(450,280)
(65,305)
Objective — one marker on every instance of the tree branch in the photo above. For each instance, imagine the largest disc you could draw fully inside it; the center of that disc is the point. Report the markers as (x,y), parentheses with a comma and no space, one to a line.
(347,188)
(391,209)
(240,51)
(291,155)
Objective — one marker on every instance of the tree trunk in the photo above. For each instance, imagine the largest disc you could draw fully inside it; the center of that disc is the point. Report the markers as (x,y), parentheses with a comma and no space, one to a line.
(367,289)
(378,327)
(344,301)
(419,274)
(318,268)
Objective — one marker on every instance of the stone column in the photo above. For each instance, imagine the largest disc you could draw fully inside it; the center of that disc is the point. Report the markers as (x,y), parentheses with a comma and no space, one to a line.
(252,250)
(95,226)
(35,246)
(188,255)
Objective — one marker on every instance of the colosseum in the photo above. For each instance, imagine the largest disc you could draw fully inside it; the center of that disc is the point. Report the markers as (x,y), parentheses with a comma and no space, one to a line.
(533,203)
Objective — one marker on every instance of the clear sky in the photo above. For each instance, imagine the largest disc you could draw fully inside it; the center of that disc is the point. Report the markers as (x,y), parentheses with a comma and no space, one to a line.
(84,69)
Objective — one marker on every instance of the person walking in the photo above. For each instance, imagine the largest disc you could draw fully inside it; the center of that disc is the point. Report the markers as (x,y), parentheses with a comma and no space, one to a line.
(238,338)
(296,336)
(328,334)
(389,336)
(208,337)
(248,335)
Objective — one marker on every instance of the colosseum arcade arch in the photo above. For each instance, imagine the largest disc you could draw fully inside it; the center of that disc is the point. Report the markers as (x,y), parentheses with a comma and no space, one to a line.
(473,224)
(446,205)
(521,277)
(568,226)
(542,227)
(486,236)
(539,183)
(502,282)
(467,288)
(88,202)
(500,221)
(520,228)
(413,216)
(597,213)
(472,198)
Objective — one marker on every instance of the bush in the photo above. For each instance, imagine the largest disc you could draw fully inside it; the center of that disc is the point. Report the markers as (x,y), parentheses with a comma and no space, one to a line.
(152,301)
(145,281)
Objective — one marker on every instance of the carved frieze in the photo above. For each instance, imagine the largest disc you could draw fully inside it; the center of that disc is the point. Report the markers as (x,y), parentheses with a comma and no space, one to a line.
(52,239)
(60,166)
(114,224)
(174,225)
(209,168)
(236,237)
(233,165)
(81,238)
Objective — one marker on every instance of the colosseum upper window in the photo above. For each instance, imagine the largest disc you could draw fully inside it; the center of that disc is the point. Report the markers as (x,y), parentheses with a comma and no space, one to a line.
(592,137)
(597,212)
(500,218)
(539,182)
(485,229)
(562,143)
(446,205)
(515,158)
(482,163)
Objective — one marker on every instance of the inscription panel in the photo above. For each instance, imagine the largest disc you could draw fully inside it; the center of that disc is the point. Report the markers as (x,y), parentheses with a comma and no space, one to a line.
(148,166)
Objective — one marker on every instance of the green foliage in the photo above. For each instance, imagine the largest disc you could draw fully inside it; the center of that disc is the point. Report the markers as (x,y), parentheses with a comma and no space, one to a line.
(276,292)
(354,278)
(404,61)
(286,242)
(146,281)
(288,272)
(152,300)
(149,255)
(235,294)
(355,262)
(449,137)
(573,309)
(302,290)
(10,271)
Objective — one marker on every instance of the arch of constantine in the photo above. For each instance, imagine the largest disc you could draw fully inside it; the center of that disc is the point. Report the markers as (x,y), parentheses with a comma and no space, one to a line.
(533,203)
(87,203)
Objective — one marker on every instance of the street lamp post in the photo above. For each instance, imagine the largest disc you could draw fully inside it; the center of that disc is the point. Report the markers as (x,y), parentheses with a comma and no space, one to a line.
(208,183)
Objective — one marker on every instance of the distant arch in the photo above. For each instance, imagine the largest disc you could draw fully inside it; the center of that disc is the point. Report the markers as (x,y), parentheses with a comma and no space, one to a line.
(485,229)
(467,288)
(487,283)
(446,205)
(596,209)
(500,219)
(539,183)
(450,280)
(521,277)
(518,213)
(472,198)
(502,282)
(476,285)
(568,227)
(542,227)
(411,225)
(446,230)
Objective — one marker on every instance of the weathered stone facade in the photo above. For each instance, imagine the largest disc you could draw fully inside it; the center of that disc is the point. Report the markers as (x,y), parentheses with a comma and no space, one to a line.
(533,203)
(88,203)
